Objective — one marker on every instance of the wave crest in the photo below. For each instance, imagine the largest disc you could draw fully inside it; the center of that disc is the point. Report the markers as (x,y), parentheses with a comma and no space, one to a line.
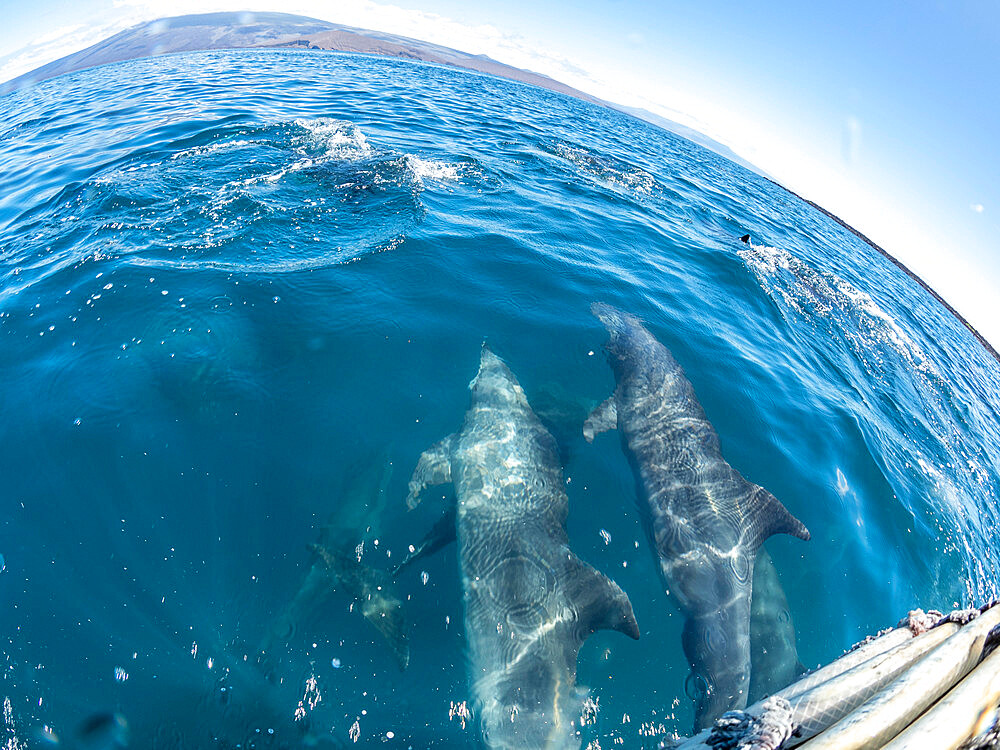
(231,197)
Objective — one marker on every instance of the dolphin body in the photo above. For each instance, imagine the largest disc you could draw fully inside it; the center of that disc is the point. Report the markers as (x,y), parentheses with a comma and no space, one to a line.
(529,601)
(705,521)
(774,658)
(337,567)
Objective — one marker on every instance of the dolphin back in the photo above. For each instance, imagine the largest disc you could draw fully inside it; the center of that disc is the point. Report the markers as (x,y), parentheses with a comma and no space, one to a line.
(774,659)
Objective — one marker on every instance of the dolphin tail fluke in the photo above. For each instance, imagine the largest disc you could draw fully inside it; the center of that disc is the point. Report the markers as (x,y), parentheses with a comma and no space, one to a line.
(600,602)
(434,467)
(771,517)
(384,610)
(601,419)
(374,591)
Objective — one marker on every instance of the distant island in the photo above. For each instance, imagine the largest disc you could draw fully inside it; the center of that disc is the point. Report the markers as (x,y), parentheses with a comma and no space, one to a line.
(243,30)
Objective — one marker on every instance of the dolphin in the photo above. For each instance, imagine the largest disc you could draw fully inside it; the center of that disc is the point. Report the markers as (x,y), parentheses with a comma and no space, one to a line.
(529,601)
(337,566)
(704,520)
(774,658)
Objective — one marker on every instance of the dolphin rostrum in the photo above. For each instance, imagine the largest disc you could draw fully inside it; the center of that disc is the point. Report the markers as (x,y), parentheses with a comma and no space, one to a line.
(529,601)
(705,521)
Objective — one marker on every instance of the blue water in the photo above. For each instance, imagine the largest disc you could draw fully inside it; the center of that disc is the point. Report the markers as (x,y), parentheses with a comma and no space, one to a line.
(233,283)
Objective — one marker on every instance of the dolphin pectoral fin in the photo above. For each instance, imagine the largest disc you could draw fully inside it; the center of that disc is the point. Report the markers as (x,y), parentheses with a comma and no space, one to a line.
(600,603)
(601,419)
(766,516)
(442,534)
(434,467)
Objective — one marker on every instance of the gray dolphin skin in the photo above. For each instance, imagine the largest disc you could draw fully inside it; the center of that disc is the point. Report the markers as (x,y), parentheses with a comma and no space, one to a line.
(529,601)
(705,521)
(774,658)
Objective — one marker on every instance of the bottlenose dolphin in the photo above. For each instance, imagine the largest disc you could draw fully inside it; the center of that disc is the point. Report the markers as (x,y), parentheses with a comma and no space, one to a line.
(774,658)
(337,566)
(704,520)
(529,601)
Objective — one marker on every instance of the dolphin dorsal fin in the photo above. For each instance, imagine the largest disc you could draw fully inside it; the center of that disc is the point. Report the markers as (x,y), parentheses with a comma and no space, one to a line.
(600,603)
(771,517)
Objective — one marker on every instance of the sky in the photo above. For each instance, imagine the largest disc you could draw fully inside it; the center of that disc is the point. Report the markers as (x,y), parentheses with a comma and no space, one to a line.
(884,113)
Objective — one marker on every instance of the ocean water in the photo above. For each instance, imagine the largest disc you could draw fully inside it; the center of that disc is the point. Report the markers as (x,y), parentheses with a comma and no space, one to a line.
(240,292)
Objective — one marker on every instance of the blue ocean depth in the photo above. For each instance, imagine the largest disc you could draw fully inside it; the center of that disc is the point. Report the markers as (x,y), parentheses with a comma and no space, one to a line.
(236,287)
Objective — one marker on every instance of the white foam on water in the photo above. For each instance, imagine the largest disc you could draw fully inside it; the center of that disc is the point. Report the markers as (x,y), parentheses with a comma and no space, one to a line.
(120,176)
(325,140)
(331,154)
(338,138)
(871,334)
(618,175)
(825,295)
(432,170)
(268,178)
(869,331)
(966,526)
(211,148)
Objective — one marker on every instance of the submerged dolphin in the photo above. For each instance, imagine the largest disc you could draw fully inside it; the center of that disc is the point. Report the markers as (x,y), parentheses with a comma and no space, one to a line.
(337,566)
(774,658)
(529,601)
(705,521)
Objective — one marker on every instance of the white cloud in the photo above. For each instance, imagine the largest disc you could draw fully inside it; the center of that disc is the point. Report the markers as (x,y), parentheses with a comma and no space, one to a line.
(978,207)
(52,46)
(56,34)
